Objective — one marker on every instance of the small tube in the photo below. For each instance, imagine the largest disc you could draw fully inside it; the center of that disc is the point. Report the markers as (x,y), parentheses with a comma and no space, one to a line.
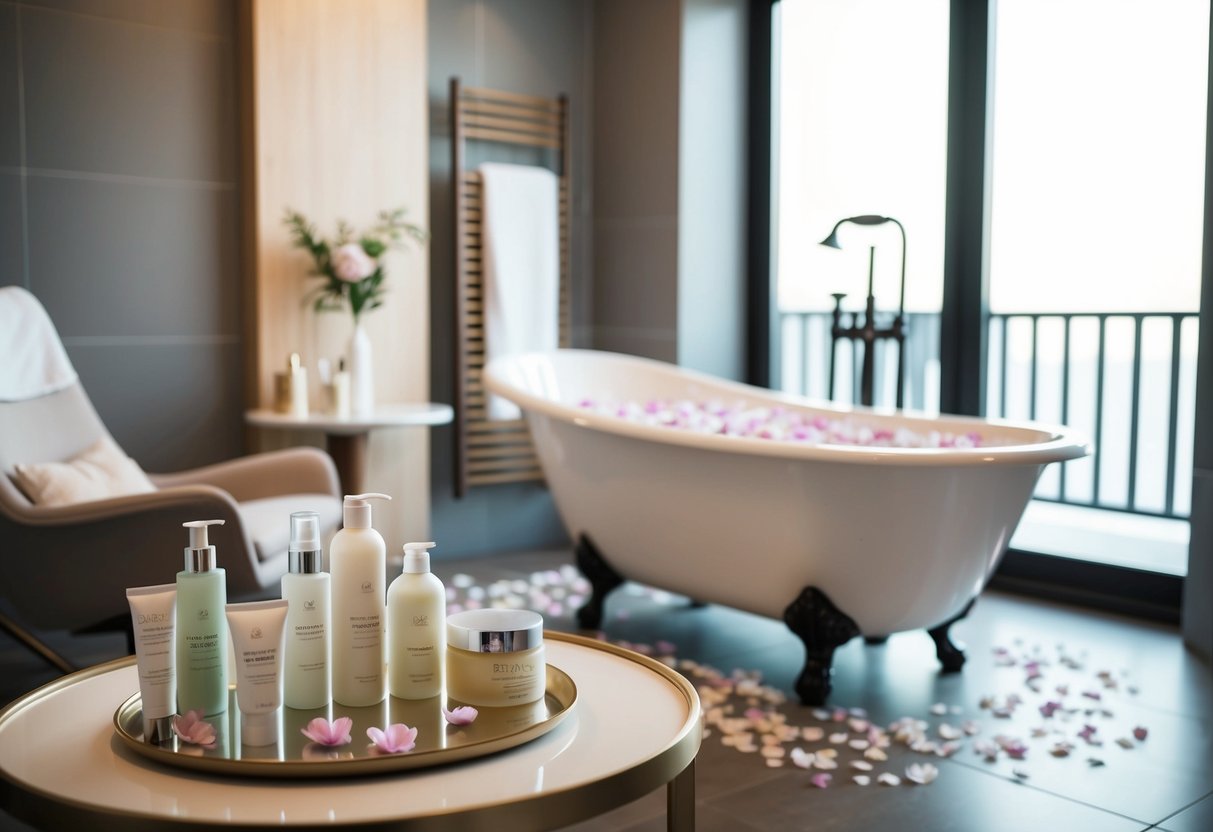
(258,634)
(153,620)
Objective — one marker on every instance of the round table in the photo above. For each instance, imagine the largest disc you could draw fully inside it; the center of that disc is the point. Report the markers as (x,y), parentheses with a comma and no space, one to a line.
(346,438)
(636,726)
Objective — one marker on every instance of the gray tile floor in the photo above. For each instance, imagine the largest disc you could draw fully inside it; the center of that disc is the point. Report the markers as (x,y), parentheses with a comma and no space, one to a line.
(1164,783)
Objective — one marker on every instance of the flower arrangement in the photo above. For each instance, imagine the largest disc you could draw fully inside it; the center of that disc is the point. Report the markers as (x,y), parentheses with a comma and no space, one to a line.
(349,265)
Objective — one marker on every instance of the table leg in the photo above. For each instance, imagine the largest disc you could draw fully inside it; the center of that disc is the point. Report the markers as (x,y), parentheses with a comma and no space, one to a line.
(680,801)
(349,455)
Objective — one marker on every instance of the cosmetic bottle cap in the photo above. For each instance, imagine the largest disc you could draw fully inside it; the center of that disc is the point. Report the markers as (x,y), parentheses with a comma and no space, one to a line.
(257,730)
(416,558)
(357,511)
(305,554)
(157,730)
(494,630)
(200,555)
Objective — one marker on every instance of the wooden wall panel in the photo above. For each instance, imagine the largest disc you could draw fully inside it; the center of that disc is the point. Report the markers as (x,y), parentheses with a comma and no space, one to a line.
(337,96)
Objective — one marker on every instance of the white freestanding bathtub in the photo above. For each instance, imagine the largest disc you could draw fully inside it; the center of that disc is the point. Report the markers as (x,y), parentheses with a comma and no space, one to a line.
(840,540)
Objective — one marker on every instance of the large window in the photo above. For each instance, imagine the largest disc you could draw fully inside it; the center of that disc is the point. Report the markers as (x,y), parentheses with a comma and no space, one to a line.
(862,129)
(1091,141)
(1096,207)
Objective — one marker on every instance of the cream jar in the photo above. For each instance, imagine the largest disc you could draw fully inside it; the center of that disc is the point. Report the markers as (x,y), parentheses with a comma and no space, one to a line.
(495,657)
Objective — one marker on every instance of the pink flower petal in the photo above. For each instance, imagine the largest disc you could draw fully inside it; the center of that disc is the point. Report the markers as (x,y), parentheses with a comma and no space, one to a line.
(397,739)
(323,732)
(822,780)
(464,715)
(191,728)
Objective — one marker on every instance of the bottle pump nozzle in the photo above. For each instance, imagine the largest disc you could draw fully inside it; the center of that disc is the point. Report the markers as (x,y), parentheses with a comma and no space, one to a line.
(200,554)
(416,557)
(356,513)
(305,554)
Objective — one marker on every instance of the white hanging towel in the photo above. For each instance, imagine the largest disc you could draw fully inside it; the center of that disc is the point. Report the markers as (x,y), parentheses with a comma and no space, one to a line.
(521,265)
(33,362)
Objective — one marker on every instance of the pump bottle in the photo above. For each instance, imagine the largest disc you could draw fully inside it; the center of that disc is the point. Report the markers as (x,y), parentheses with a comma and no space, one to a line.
(306,590)
(416,616)
(358,560)
(202,639)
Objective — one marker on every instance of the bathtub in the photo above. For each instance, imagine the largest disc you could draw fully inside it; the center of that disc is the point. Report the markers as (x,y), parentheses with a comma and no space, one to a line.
(838,540)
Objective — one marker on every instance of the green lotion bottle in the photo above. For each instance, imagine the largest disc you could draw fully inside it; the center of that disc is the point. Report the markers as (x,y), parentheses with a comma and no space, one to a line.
(202,636)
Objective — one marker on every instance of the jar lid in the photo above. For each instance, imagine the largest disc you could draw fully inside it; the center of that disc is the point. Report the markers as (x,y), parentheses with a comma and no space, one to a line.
(494,630)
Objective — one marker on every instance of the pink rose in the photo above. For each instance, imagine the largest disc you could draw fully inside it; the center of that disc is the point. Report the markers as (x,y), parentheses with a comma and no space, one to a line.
(351,263)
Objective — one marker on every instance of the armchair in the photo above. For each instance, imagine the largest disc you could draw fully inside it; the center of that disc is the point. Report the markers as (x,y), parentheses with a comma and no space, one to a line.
(67,567)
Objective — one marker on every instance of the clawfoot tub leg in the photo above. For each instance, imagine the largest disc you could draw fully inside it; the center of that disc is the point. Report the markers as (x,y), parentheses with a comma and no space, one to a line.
(950,655)
(602,577)
(823,628)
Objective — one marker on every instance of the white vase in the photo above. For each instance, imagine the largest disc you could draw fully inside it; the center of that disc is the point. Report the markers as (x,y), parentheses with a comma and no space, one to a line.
(359,363)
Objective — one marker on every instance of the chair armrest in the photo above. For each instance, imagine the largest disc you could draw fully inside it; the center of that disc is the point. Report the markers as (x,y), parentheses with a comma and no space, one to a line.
(185,498)
(98,549)
(271,474)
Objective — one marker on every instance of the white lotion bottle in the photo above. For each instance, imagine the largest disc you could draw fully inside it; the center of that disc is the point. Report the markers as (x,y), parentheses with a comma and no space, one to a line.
(358,561)
(416,616)
(306,590)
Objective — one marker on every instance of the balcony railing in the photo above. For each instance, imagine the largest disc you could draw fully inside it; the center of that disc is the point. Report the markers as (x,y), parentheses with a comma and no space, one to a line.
(1127,379)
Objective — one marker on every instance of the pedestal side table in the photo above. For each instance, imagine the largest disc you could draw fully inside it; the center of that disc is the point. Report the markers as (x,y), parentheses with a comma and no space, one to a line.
(346,438)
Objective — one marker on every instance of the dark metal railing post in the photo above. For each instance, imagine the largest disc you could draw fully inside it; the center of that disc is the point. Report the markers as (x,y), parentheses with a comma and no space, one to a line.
(1173,415)
(1097,461)
(1065,397)
(1134,411)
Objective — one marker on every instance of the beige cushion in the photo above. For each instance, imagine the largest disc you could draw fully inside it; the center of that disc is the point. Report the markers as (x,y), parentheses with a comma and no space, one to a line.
(268,520)
(101,472)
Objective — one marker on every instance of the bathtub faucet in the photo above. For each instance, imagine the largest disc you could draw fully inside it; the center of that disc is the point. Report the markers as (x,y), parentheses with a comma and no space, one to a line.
(866,330)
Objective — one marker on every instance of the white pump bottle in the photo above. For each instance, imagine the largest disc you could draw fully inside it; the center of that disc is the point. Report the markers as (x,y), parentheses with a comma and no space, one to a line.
(306,590)
(416,615)
(358,563)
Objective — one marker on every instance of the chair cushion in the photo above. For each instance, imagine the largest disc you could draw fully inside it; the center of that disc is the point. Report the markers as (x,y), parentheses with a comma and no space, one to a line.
(268,520)
(98,473)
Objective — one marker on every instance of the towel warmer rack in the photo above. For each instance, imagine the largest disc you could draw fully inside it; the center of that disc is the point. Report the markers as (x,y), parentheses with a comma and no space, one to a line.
(488,451)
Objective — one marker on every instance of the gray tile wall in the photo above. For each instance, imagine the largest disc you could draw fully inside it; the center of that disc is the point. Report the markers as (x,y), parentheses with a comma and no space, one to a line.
(118,209)
(537,47)
(636,116)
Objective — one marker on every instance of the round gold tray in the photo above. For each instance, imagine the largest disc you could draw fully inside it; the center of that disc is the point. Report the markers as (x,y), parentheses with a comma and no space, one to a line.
(295,756)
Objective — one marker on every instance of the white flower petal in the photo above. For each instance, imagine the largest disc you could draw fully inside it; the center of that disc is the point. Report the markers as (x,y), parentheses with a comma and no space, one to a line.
(921,773)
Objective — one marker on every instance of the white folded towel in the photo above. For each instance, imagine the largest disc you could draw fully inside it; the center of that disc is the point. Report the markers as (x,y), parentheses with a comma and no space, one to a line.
(521,244)
(33,362)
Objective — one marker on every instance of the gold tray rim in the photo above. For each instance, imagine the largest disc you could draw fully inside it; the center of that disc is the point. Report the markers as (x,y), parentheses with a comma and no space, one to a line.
(559,685)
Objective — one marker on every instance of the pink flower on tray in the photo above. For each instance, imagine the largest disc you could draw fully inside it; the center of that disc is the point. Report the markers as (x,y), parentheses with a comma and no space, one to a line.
(193,729)
(351,263)
(397,739)
(323,732)
(464,715)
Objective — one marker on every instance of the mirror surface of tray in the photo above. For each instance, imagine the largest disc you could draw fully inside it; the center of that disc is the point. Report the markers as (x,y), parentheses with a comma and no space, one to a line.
(294,755)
